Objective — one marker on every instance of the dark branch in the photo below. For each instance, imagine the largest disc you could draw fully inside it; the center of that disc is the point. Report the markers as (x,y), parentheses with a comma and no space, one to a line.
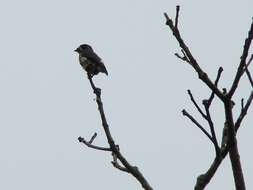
(204,179)
(210,122)
(242,104)
(242,62)
(184,57)
(248,63)
(202,75)
(206,116)
(82,140)
(230,144)
(207,104)
(216,84)
(92,138)
(117,165)
(243,112)
(185,113)
(196,105)
(177,15)
(113,147)
(247,70)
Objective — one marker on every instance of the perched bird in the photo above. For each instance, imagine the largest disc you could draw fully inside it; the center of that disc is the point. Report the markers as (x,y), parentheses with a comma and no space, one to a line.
(90,61)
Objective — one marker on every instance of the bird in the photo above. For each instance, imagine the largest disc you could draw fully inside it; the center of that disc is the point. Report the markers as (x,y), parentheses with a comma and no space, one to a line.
(90,61)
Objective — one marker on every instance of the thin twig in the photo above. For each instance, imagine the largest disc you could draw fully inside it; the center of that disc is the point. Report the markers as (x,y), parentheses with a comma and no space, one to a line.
(202,75)
(243,112)
(242,104)
(196,105)
(207,117)
(248,63)
(216,84)
(185,113)
(247,70)
(210,122)
(207,104)
(92,138)
(116,164)
(242,62)
(82,140)
(183,58)
(177,15)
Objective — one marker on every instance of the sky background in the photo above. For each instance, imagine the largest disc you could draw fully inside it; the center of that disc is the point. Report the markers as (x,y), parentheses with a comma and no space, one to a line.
(46,101)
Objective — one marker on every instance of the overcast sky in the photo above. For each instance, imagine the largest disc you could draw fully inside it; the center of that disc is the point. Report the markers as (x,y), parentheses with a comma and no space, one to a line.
(46,101)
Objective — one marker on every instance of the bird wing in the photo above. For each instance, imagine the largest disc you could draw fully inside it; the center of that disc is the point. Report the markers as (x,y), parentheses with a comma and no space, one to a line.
(89,54)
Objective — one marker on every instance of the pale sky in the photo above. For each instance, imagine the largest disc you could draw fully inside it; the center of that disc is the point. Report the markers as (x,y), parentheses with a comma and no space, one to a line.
(46,100)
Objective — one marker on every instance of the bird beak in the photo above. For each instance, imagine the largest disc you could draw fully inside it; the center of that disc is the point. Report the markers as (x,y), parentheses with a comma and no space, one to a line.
(76,50)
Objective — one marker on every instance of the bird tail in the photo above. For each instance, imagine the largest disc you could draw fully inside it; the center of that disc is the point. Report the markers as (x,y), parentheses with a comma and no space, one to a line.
(103,69)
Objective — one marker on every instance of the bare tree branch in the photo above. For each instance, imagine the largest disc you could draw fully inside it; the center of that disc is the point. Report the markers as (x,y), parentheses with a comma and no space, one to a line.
(204,179)
(243,112)
(117,165)
(210,122)
(113,147)
(81,139)
(93,138)
(184,57)
(242,63)
(242,104)
(195,104)
(207,104)
(229,141)
(206,116)
(185,113)
(233,151)
(216,84)
(247,70)
(202,75)
(177,15)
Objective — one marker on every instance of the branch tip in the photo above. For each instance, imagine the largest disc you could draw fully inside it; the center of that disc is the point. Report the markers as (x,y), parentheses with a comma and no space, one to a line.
(242,104)
(166,16)
(177,15)
(92,138)
(80,139)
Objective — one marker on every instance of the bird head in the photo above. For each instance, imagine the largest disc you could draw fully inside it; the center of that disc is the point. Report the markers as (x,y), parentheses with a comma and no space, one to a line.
(83,47)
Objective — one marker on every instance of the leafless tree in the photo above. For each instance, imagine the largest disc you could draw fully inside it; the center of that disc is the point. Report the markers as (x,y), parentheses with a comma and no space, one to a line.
(229,140)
